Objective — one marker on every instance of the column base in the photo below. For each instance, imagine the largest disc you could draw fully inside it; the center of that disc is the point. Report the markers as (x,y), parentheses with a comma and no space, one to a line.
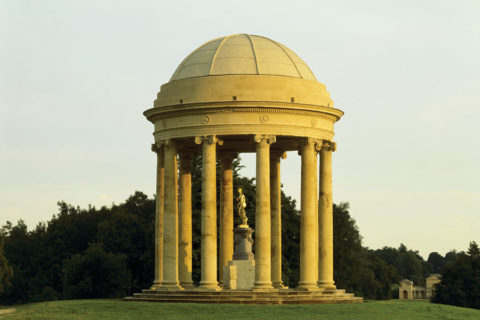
(208,287)
(187,285)
(327,285)
(308,287)
(157,285)
(279,285)
(170,287)
(263,286)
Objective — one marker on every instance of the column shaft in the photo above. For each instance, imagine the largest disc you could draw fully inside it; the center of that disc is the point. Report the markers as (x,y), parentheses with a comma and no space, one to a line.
(307,219)
(325,218)
(226,212)
(170,220)
(262,215)
(208,279)
(276,219)
(315,159)
(185,217)
(159,216)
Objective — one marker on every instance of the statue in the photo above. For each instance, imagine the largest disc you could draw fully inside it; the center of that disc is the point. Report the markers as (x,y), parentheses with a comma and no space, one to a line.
(241,205)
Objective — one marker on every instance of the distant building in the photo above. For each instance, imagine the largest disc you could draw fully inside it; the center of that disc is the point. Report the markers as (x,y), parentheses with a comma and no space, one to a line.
(407,290)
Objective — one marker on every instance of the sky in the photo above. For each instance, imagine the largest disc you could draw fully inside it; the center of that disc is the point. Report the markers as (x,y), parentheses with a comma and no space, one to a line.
(75,77)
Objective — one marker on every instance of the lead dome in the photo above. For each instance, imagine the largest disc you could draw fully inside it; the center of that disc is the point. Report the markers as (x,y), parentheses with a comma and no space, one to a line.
(242,54)
(244,68)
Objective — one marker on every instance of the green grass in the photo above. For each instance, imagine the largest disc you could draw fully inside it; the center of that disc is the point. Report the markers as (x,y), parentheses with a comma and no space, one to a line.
(117,309)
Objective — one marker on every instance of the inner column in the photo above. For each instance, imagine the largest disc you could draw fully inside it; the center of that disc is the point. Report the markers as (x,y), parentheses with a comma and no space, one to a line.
(185,217)
(226,211)
(262,215)
(276,218)
(209,214)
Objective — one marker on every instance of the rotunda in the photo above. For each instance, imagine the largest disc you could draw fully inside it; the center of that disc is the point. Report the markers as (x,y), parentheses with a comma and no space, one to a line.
(234,94)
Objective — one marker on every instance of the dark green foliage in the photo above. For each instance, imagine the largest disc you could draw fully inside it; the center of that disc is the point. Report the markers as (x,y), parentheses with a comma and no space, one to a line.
(473,250)
(38,256)
(460,285)
(437,261)
(358,269)
(130,231)
(6,271)
(29,256)
(408,263)
(290,242)
(348,254)
(95,274)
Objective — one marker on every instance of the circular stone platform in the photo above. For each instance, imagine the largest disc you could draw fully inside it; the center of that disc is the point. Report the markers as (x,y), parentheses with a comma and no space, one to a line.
(247,297)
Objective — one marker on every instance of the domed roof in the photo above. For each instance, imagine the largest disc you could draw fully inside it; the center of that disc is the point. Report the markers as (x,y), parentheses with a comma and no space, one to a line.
(242,54)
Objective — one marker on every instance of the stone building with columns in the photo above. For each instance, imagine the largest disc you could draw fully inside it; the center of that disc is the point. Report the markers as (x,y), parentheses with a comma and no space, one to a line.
(236,94)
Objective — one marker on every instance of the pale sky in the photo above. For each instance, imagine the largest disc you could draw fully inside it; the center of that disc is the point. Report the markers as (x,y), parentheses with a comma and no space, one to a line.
(75,77)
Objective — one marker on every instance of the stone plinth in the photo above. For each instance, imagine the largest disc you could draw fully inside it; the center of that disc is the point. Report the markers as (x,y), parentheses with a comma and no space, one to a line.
(239,275)
(243,243)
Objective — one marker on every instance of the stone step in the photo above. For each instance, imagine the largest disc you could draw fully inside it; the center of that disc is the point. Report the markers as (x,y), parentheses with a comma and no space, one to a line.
(247,301)
(238,292)
(243,297)
(239,297)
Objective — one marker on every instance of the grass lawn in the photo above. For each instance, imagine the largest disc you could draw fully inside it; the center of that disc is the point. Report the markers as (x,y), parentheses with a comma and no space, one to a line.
(118,309)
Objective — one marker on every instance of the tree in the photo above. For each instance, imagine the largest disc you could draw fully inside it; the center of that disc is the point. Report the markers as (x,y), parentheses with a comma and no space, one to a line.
(290,241)
(130,231)
(473,250)
(6,271)
(358,269)
(409,264)
(347,254)
(95,274)
(437,261)
(460,284)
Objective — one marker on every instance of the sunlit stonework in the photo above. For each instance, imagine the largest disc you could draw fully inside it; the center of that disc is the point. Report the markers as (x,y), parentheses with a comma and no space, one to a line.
(243,93)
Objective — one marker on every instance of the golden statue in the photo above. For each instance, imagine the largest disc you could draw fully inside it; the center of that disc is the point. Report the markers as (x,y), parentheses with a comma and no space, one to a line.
(241,205)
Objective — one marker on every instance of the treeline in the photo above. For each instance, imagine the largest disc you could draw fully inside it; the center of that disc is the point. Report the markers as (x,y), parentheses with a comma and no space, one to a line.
(109,252)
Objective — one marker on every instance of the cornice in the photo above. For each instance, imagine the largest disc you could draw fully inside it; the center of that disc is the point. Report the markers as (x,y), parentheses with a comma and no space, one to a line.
(240,106)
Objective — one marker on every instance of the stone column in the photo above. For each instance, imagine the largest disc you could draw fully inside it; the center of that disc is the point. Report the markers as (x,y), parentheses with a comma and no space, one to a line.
(170,220)
(262,215)
(208,279)
(157,282)
(325,218)
(307,218)
(276,218)
(226,211)
(315,159)
(185,217)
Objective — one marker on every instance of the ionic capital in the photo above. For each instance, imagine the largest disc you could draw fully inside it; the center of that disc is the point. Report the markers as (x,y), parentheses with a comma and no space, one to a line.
(170,144)
(328,146)
(315,144)
(212,139)
(158,146)
(264,139)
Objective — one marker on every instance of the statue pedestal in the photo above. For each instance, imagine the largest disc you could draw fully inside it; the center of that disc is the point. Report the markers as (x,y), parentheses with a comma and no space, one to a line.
(243,243)
(239,274)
